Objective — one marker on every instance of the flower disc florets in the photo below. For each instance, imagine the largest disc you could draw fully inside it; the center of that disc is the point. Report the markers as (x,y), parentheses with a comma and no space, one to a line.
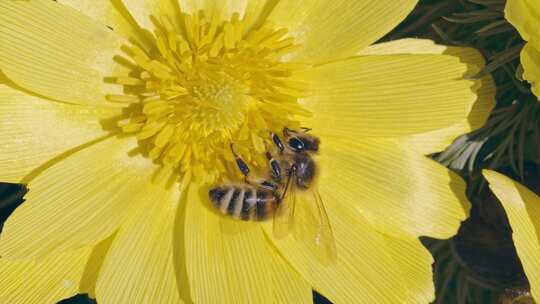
(207,84)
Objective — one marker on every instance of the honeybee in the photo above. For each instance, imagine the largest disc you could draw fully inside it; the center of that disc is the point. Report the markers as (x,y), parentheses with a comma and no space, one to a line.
(289,194)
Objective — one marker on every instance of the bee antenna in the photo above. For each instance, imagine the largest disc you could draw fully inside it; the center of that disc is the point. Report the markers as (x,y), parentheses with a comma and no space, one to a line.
(286,131)
(306,129)
(232,150)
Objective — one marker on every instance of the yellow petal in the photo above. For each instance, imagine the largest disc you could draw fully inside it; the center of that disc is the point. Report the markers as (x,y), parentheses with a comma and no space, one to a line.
(438,140)
(252,11)
(33,130)
(388,95)
(401,192)
(55,51)
(139,267)
(77,201)
(530,59)
(42,282)
(525,16)
(107,13)
(229,261)
(415,263)
(222,8)
(404,46)
(340,28)
(367,269)
(523,209)
(93,267)
(289,285)
(141,10)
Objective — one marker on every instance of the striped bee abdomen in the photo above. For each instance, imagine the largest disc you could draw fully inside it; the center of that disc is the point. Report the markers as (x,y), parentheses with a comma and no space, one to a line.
(243,201)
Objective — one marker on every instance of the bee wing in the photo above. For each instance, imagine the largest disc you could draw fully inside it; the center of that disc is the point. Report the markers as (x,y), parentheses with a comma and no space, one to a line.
(284,217)
(312,227)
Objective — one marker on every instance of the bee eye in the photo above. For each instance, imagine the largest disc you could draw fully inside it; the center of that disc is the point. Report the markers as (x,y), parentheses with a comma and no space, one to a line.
(296,144)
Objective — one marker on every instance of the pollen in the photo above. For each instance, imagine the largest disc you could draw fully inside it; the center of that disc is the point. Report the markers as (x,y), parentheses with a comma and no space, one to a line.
(205,84)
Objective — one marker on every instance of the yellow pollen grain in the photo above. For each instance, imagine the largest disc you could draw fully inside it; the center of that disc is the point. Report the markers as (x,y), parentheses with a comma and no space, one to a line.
(206,85)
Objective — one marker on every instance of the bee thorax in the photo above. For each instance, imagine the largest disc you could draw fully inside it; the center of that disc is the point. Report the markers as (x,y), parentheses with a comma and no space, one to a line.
(305,170)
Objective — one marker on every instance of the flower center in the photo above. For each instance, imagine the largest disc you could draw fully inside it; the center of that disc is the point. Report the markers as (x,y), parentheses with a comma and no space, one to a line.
(206,85)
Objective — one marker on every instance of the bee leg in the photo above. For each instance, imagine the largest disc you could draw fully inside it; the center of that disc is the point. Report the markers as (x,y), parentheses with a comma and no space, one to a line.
(277,141)
(261,183)
(290,175)
(257,182)
(242,166)
(244,169)
(274,166)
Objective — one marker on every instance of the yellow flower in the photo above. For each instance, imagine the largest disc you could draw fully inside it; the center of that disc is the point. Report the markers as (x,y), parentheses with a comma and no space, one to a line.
(522,207)
(524,15)
(119,132)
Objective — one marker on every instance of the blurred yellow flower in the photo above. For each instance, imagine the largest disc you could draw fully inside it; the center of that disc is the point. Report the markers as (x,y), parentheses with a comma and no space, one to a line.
(119,116)
(524,15)
(523,209)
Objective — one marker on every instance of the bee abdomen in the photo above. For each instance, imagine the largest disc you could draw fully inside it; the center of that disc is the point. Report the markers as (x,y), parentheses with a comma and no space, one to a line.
(265,203)
(243,202)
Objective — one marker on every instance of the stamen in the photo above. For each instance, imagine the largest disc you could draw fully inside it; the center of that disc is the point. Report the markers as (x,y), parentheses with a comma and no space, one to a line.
(129,81)
(205,86)
(123,98)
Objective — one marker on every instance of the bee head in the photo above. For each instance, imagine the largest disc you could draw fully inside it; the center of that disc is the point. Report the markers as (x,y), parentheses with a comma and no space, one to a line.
(301,141)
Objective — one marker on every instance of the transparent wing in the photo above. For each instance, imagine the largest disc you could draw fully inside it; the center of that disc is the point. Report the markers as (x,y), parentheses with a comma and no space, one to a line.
(312,227)
(284,216)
